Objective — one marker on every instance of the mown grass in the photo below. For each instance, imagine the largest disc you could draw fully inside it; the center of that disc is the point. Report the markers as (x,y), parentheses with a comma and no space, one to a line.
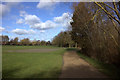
(109,69)
(31,65)
(8,47)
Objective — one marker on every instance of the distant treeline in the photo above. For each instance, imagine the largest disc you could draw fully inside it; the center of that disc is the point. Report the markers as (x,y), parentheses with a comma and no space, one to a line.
(63,39)
(5,41)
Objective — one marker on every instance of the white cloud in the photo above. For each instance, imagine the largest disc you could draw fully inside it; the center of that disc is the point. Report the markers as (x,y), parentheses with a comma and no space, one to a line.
(46,4)
(23,31)
(1,29)
(64,17)
(67,23)
(34,22)
(44,25)
(64,20)
(31,19)
(20,21)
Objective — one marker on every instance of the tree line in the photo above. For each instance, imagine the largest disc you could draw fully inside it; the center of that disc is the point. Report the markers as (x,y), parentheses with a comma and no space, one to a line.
(63,39)
(96,29)
(4,40)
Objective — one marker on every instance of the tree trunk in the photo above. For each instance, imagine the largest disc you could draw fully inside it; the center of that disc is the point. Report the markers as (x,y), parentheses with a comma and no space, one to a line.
(75,45)
(69,46)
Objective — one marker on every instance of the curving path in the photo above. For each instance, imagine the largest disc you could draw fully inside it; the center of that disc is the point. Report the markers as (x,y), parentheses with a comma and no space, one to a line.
(75,67)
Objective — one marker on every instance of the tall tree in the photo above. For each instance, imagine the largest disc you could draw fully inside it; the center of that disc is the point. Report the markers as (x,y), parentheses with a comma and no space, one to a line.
(25,41)
(5,39)
(15,41)
(63,39)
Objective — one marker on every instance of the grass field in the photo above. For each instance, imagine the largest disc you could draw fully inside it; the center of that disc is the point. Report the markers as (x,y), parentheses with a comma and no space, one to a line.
(43,64)
(4,48)
(31,65)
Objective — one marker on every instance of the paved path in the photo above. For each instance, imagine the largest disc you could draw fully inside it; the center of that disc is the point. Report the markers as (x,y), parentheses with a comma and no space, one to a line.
(75,67)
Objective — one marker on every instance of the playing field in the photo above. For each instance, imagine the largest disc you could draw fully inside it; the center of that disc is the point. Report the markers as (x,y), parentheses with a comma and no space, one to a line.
(31,61)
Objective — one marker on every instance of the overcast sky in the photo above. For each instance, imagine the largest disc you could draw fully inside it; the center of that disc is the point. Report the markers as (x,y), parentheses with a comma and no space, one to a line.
(35,20)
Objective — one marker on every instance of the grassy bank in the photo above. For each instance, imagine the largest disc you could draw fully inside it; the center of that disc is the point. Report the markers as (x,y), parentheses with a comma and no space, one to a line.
(31,65)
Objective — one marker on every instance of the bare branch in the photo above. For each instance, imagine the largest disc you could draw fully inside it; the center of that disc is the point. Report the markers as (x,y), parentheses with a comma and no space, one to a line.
(116,10)
(108,6)
(95,14)
(108,12)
